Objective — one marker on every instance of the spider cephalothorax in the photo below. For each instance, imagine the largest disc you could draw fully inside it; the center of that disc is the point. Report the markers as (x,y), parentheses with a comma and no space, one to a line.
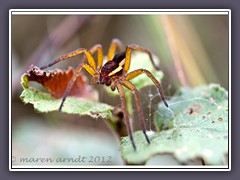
(113,73)
(109,67)
(112,70)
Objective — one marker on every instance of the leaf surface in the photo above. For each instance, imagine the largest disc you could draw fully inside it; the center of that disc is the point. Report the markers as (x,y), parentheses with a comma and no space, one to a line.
(194,126)
(44,102)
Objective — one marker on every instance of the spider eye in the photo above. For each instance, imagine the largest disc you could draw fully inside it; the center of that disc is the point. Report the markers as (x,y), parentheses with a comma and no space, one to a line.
(106,67)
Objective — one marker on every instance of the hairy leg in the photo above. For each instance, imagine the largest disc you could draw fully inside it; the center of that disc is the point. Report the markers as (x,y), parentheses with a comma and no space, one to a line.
(138,72)
(128,56)
(116,43)
(88,68)
(96,48)
(130,86)
(126,118)
(79,51)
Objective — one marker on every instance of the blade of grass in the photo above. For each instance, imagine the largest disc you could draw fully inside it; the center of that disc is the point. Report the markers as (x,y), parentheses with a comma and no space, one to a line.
(169,31)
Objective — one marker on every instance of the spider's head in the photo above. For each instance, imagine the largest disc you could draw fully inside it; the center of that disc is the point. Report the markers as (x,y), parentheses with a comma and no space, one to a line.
(104,77)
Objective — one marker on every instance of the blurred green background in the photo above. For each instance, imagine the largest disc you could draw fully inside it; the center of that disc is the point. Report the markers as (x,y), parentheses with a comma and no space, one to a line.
(193,50)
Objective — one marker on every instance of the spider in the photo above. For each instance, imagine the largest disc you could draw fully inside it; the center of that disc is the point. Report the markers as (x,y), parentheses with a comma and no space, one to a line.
(113,73)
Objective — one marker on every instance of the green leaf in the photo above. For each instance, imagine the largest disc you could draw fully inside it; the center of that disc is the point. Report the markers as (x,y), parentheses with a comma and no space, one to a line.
(194,126)
(44,102)
(141,61)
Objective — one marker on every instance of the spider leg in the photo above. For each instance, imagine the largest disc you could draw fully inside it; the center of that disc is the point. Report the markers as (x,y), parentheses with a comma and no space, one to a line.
(129,52)
(130,86)
(126,118)
(116,43)
(96,48)
(72,54)
(138,72)
(88,68)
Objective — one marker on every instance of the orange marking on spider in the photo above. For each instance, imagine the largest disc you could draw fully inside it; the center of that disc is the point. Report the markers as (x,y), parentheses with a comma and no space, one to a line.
(113,73)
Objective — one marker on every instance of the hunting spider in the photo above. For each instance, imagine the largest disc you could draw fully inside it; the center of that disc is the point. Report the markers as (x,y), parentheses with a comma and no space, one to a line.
(113,73)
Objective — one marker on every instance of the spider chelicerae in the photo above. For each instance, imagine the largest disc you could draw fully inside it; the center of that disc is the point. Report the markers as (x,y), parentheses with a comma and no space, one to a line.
(113,73)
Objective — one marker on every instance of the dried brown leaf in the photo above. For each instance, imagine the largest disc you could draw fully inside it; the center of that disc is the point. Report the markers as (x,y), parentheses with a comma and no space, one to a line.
(56,82)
